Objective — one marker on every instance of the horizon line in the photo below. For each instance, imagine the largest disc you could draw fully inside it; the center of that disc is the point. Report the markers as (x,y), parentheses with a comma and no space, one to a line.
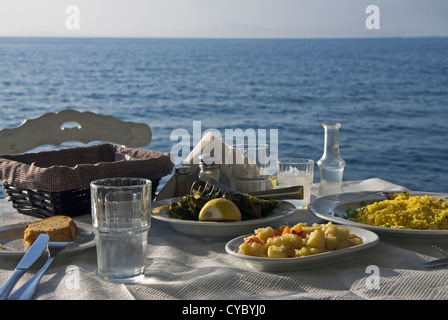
(222,38)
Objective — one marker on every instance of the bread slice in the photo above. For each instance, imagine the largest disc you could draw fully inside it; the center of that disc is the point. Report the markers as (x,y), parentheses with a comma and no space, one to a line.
(58,228)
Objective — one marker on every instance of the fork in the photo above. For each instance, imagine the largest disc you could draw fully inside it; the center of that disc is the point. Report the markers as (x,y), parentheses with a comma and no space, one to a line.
(27,291)
(440,250)
(216,189)
(335,197)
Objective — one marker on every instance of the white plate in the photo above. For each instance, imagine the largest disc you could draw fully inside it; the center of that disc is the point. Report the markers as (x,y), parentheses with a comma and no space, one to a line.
(13,245)
(326,208)
(223,230)
(368,238)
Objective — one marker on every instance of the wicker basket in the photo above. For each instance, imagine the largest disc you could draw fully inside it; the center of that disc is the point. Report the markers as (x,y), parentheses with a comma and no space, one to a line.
(57,182)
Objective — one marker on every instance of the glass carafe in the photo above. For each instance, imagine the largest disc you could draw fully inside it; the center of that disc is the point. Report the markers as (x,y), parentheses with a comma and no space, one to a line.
(331,165)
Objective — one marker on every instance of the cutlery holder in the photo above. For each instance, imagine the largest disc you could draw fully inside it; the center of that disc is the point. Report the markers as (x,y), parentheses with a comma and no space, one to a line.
(57,182)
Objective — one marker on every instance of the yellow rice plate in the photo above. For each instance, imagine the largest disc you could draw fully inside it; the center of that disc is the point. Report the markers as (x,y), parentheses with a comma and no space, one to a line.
(403,211)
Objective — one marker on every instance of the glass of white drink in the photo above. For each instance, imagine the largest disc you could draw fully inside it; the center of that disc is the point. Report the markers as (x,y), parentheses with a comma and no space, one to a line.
(296,172)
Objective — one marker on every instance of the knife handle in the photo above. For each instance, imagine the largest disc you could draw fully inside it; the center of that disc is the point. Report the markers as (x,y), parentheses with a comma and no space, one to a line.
(9,284)
(27,291)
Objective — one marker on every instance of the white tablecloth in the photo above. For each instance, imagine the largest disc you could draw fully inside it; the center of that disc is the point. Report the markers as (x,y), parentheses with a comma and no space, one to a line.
(186,268)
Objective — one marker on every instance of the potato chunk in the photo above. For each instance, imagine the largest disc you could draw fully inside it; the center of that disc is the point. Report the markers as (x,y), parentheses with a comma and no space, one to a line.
(277,252)
(287,240)
(316,239)
(253,249)
(264,233)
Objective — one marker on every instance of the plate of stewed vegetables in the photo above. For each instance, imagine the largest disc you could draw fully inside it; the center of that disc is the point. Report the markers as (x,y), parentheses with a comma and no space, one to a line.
(222,217)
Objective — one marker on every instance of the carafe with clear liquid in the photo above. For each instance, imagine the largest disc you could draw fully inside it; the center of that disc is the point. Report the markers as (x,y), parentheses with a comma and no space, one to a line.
(331,165)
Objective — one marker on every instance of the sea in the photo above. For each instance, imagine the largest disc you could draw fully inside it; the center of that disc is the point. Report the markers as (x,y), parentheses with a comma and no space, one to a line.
(390,95)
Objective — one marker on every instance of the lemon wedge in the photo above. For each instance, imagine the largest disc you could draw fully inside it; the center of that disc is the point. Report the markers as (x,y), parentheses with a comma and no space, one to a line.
(220,209)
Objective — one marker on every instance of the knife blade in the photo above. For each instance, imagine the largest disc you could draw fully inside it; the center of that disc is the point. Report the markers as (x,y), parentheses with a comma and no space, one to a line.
(291,193)
(33,253)
(436,263)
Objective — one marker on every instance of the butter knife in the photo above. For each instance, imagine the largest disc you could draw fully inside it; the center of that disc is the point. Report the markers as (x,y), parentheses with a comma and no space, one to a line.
(436,263)
(33,253)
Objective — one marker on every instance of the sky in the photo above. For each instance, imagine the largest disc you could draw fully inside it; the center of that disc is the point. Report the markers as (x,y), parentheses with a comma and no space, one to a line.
(223,18)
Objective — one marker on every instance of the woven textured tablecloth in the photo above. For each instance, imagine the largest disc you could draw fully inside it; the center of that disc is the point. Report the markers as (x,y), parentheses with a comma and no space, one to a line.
(183,267)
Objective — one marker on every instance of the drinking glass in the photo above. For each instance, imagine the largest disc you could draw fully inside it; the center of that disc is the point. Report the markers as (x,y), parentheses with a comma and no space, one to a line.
(296,172)
(249,167)
(121,213)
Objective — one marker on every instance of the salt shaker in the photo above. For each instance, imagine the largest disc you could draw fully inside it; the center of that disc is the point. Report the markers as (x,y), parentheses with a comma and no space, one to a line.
(183,180)
(208,169)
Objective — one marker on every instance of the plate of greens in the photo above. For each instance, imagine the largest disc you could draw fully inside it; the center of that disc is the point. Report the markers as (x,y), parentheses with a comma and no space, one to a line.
(185,220)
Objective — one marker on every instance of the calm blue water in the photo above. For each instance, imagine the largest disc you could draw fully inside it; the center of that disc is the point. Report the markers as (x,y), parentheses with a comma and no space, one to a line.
(390,95)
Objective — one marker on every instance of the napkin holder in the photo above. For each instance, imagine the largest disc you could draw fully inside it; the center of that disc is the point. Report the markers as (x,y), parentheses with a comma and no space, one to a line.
(208,143)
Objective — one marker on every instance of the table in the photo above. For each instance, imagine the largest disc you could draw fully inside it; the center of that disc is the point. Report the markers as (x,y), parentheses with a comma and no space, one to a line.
(185,268)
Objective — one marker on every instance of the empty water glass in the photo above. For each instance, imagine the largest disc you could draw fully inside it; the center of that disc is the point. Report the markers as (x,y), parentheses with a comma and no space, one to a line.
(249,167)
(121,212)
